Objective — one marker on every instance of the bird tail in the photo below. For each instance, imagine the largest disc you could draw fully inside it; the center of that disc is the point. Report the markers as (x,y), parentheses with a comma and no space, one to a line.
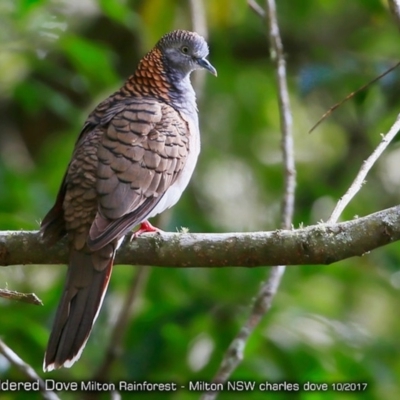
(87,280)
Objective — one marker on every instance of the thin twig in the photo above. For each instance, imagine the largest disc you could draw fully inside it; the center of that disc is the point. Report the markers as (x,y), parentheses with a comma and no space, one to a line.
(199,25)
(29,298)
(27,370)
(198,17)
(116,341)
(362,173)
(394,6)
(234,354)
(352,94)
(256,8)
(285,117)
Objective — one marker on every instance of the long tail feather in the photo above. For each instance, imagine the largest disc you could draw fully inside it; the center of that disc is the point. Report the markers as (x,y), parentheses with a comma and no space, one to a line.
(86,285)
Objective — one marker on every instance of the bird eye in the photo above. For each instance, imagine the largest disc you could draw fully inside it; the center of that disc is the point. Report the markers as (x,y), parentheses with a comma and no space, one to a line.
(185,49)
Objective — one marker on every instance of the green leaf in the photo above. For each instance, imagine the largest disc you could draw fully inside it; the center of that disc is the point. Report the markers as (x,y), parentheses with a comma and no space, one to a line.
(93,60)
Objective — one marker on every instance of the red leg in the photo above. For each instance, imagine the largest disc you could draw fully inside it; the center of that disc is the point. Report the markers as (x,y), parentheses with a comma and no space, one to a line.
(145,227)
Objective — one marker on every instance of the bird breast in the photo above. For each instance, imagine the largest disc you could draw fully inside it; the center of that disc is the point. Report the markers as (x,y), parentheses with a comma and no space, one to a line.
(174,192)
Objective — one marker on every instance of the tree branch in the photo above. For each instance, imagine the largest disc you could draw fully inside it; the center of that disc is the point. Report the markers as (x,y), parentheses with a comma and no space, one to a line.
(115,345)
(29,298)
(316,244)
(27,371)
(363,172)
(234,354)
(256,8)
(394,6)
(199,25)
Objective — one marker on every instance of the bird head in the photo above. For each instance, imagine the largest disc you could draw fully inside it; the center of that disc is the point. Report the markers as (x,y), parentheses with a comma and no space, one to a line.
(184,52)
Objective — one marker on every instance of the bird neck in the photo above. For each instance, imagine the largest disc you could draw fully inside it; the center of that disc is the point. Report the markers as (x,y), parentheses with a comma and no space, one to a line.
(182,95)
(153,78)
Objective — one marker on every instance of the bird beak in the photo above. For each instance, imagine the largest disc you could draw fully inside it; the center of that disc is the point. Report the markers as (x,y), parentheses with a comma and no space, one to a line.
(204,63)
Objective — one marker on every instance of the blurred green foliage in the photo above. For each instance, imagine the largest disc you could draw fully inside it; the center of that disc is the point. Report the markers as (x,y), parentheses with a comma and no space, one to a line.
(336,323)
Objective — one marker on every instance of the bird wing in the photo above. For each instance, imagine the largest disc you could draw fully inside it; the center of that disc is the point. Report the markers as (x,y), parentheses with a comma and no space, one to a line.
(142,152)
(54,224)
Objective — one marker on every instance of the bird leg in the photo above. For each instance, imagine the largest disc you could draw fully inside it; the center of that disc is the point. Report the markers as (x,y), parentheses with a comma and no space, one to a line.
(145,227)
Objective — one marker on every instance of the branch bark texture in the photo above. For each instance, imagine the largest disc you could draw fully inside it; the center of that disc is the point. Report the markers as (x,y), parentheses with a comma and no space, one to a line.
(316,244)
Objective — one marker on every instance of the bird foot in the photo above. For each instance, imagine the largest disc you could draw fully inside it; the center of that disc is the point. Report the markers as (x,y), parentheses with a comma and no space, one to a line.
(145,227)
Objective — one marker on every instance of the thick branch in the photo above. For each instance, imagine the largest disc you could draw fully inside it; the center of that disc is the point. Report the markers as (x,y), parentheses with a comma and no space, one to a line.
(317,244)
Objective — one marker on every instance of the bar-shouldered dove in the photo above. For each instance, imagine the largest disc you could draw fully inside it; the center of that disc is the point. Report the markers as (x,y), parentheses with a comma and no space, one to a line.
(133,159)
